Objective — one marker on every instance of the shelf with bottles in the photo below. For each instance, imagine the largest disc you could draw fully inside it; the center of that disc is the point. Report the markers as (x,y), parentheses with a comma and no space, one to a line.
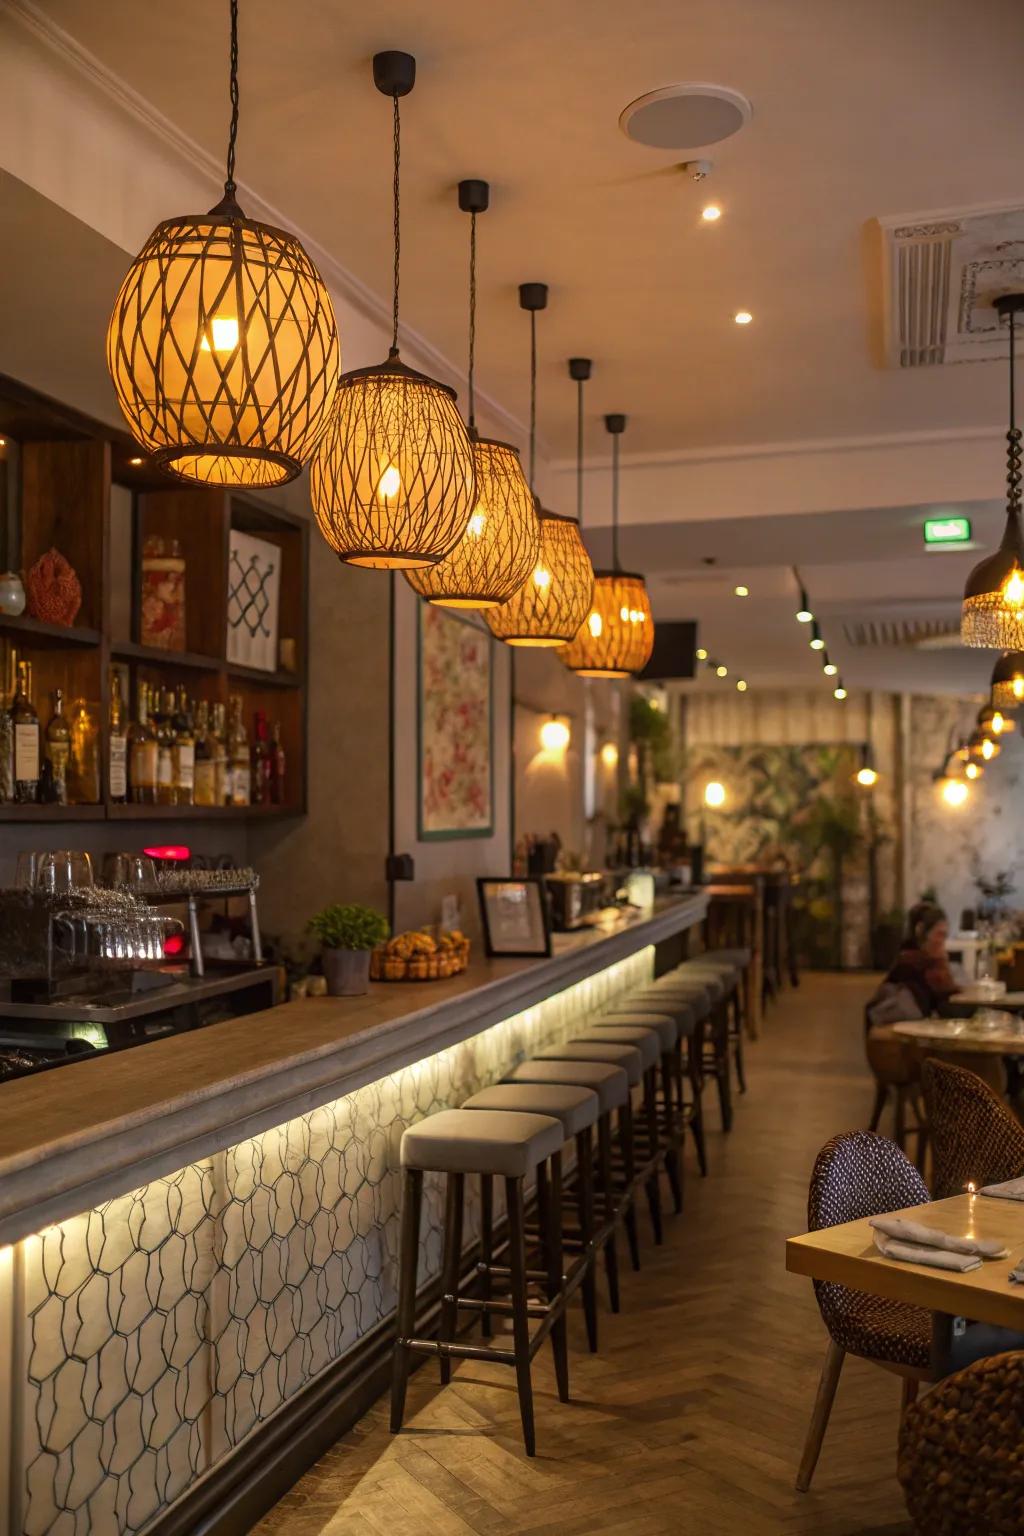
(274,721)
(49,730)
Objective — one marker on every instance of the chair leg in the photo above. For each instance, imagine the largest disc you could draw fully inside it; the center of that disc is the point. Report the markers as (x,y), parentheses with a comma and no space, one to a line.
(673,1161)
(629,1166)
(520,1315)
(881,1094)
(827,1385)
(412,1193)
(451,1266)
(899,1134)
(611,1252)
(486,1249)
(585,1186)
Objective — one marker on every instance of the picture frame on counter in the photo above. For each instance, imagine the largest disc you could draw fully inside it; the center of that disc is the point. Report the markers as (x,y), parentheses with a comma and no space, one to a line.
(515,917)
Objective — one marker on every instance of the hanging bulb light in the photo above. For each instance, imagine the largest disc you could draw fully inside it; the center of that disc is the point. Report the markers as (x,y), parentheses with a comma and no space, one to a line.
(222,344)
(803,612)
(392,480)
(499,548)
(617,636)
(994,723)
(1008,681)
(993,607)
(954,790)
(554,599)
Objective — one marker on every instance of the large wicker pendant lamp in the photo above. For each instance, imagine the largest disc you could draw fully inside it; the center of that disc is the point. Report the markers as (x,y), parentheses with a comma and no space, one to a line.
(222,344)
(1008,681)
(553,601)
(993,607)
(617,637)
(392,480)
(499,548)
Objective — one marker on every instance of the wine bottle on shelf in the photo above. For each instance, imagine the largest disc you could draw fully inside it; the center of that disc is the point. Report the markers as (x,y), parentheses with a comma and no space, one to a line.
(10,688)
(206,762)
(184,755)
(142,753)
(239,768)
(219,753)
(26,739)
(278,767)
(84,765)
(260,791)
(163,709)
(57,748)
(117,744)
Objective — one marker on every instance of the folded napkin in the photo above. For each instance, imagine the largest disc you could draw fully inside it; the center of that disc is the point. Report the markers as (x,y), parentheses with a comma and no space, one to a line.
(1010,1189)
(916,1232)
(1017,1275)
(917,1253)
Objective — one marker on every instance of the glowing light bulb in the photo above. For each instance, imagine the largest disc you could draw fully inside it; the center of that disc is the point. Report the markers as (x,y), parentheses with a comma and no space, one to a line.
(741,591)
(711,213)
(830,669)
(839,693)
(1001,724)
(554,735)
(702,655)
(477,524)
(136,462)
(988,749)
(867,777)
(954,791)
(741,685)
(817,643)
(1018,687)
(804,616)
(973,770)
(541,578)
(390,483)
(1013,591)
(224,330)
(595,624)
(722,671)
(743,317)
(714,794)
(610,755)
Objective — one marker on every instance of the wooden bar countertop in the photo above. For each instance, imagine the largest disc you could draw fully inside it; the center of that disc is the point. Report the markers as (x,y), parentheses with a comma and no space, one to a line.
(104,1125)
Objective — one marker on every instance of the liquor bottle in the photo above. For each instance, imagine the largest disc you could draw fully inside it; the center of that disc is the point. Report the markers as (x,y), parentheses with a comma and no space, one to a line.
(278,767)
(239,768)
(184,752)
(142,754)
(206,761)
(219,752)
(260,792)
(163,708)
(26,739)
(117,744)
(58,753)
(84,765)
(10,687)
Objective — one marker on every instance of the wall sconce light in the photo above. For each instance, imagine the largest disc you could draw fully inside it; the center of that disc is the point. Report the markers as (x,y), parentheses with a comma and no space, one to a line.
(610,755)
(714,794)
(555,735)
(954,791)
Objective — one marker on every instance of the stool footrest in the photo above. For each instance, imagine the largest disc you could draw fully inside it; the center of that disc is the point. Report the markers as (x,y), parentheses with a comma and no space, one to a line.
(456,1351)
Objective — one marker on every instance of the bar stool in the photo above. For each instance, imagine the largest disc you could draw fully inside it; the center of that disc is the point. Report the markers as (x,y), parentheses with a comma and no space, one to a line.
(647,1135)
(691,1004)
(717,1046)
(579,1110)
(631,1060)
(672,1101)
(731,974)
(508,1146)
(611,1085)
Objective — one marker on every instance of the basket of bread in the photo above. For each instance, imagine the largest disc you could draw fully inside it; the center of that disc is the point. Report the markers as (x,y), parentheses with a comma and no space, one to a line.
(420,956)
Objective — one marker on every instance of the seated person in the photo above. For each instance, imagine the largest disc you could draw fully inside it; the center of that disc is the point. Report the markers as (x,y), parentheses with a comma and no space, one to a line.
(919,980)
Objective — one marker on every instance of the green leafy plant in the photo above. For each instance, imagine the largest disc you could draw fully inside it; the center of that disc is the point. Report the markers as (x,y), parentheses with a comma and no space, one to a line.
(651,733)
(349,927)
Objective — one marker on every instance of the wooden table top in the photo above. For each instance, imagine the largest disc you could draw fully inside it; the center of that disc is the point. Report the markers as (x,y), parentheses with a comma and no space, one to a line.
(961,1035)
(978,999)
(847,1254)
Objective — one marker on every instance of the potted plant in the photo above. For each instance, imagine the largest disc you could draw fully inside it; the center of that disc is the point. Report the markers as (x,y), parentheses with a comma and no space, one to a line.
(348,934)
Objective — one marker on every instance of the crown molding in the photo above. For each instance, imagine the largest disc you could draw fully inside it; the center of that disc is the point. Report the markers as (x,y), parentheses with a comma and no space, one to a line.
(32,17)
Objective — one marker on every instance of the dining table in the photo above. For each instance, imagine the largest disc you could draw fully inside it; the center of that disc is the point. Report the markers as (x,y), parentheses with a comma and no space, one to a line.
(980,996)
(963,1035)
(846,1254)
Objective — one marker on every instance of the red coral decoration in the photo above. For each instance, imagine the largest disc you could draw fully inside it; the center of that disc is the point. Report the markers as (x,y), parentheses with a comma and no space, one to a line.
(54,591)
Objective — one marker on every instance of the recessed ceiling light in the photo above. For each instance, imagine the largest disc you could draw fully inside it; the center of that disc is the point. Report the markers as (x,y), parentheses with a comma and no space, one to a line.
(711,213)
(742,591)
(743,317)
(741,686)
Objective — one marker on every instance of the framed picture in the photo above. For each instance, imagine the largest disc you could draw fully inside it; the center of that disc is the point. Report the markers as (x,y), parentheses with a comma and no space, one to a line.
(254,588)
(515,917)
(455,714)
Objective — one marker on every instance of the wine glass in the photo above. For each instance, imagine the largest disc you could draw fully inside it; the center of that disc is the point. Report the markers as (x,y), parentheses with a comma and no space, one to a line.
(26,873)
(64,870)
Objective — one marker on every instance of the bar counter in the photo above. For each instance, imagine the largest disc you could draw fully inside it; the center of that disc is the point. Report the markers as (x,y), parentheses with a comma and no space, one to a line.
(202,1232)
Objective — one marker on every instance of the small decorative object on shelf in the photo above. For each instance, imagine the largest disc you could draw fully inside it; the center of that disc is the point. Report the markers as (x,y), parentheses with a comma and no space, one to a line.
(348,934)
(254,595)
(54,591)
(420,957)
(12,594)
(162,606)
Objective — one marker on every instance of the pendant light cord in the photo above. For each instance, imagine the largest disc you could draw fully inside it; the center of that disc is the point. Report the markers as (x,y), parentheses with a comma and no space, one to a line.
(397,223)
(615,502)
(533,400)
(579,452)
(229,184)
(472,321)
(1013,437)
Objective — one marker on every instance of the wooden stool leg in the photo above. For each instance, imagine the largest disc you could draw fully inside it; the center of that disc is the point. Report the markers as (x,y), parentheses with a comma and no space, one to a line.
(737,1042)
(585,1186)
(611,1252)
(722,1068)
(819,1418)
(673,1161)
(520,1316)
(451,1266)
(695,1068)
(412,1193)
(556,1278)
(629,1167)
(653,1185)
(881,1094)
(486,1248)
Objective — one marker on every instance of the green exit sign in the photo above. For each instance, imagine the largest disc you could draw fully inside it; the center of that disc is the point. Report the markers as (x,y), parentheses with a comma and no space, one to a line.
(947,530)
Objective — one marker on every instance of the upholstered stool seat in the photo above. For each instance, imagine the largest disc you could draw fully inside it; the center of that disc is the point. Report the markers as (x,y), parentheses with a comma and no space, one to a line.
(575,1107)
(646,1041)
(693,995)
(664,1024)
(709,977)
(739,957)
(458,1141)
(609,1082)
(628,1057)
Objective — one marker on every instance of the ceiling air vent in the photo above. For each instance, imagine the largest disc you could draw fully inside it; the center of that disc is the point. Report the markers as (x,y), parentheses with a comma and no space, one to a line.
(942,272)
(919,634)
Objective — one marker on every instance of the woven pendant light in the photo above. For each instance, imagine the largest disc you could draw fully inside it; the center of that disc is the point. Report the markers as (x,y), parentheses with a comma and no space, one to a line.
(499,548)
(993,606)
(1008,681)
(554,600)
(392,481)
(617,637)
(222,345)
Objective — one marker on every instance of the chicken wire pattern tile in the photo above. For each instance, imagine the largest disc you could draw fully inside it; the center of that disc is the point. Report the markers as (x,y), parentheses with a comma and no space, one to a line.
(154,1333)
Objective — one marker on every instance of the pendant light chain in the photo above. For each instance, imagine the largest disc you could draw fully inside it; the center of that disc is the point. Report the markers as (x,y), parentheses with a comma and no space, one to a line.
(397,222)
(615,502)
(472,322)
(1013,438)
(229,185)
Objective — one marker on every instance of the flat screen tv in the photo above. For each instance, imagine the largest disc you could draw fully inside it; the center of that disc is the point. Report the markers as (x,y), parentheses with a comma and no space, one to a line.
(675,643)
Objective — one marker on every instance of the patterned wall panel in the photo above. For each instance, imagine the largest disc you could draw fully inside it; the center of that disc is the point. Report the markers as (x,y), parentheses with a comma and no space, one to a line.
(150,1336)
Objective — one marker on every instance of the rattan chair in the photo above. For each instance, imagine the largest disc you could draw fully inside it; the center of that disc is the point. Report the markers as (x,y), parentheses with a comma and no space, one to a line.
(975,1137)
(856,1176)
(961,1461)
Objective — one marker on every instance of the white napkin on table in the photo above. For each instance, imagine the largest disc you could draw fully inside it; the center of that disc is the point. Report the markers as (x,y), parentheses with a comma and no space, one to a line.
(1010,1189)
(917,1253)
(930,1245)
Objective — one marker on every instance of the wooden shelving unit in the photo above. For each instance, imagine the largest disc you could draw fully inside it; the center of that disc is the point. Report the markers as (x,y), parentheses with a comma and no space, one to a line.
(60,474)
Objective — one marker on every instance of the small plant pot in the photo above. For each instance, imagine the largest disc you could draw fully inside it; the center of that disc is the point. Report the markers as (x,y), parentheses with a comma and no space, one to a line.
(347,972)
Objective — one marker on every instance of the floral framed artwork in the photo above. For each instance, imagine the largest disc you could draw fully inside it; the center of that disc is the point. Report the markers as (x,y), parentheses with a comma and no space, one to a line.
(456,727)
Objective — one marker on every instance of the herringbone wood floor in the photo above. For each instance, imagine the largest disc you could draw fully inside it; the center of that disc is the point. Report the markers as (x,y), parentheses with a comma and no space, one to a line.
(692,1416)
